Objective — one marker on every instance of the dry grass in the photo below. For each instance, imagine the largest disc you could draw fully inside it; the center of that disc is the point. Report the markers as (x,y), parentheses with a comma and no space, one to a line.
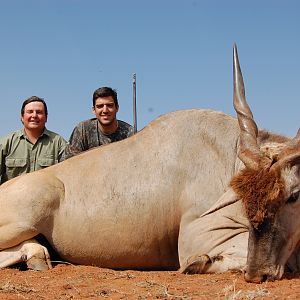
(232,294)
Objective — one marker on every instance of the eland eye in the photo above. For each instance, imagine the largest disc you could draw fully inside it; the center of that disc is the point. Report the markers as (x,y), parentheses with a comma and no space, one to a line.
(294,197)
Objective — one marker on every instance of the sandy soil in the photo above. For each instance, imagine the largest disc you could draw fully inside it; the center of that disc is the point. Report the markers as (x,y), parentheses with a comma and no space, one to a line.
(82,282)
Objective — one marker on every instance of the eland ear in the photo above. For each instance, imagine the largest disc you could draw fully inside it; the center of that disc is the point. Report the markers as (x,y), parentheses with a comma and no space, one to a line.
(291,154)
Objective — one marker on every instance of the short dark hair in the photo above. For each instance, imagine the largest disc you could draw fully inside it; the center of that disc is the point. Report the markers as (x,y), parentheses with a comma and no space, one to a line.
(34,99)
(105,92)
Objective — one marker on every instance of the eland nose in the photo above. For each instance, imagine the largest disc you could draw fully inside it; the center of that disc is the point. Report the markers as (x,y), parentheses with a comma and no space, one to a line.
(255,278)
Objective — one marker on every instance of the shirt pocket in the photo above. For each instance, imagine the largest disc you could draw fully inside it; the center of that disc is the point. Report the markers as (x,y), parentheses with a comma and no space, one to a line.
(45,162)
(15,166)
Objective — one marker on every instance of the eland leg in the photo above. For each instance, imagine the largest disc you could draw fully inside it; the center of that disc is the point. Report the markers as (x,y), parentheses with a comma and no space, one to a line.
(216,241)
(27,204)
(17,245)
(35,255)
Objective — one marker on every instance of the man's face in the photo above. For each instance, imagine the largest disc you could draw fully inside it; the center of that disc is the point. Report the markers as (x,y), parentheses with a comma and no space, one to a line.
(105,110)
(34,116)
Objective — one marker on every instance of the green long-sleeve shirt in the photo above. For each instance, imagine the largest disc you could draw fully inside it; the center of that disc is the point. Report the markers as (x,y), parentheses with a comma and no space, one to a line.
(19,156)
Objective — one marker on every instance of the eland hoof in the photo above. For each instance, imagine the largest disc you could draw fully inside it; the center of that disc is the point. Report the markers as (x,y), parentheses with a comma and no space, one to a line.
(38,264)
(197,264)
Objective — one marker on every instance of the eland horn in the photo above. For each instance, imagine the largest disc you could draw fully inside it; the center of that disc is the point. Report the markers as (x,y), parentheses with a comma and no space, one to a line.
(249,152)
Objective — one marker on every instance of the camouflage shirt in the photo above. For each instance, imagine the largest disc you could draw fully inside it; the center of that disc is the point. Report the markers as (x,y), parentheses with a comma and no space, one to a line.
(87,135)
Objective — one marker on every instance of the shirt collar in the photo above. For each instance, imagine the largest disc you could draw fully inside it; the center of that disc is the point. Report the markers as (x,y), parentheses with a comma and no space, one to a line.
(22,134)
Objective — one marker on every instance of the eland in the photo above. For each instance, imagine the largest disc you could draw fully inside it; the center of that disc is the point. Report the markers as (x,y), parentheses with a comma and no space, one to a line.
(195,190)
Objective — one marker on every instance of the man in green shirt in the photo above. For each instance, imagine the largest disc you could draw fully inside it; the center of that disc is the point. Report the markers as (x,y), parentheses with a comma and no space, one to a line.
(33,147)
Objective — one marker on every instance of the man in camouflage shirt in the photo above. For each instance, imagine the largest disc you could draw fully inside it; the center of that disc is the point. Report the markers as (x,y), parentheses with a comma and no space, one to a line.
(103,129)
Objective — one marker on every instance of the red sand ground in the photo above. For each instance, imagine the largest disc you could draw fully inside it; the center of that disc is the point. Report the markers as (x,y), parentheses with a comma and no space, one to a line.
(84,282)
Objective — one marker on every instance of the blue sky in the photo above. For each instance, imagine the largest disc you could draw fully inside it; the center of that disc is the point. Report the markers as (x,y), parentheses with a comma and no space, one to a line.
(181,52)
